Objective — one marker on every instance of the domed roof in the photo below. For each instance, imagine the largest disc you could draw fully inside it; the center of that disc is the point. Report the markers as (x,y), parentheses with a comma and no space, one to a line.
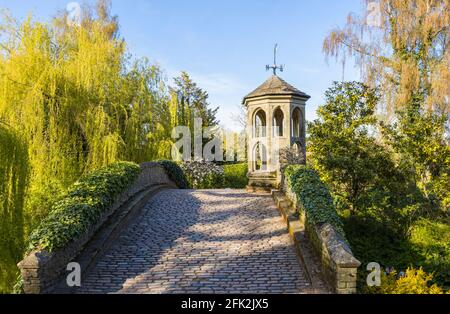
(275,86)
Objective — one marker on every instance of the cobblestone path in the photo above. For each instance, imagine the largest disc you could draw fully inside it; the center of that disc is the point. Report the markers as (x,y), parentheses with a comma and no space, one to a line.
(218,241)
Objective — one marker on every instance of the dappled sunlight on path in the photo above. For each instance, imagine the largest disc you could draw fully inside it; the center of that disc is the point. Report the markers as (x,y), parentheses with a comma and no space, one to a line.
(219,241)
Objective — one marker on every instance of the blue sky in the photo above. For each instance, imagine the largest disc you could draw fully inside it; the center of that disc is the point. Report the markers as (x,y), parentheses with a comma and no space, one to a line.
(226,44)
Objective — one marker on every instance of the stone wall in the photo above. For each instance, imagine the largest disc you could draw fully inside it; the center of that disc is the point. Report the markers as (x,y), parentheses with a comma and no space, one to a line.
(339,266)
(42,270)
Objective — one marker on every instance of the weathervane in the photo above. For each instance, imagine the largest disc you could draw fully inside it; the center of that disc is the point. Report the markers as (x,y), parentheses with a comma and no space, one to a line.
(275,67)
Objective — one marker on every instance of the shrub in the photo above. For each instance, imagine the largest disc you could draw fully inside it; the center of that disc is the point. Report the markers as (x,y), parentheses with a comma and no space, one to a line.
(314,197)
(175,173)
(236,176)
(82,206)
(430,241)
(415,281)
(203,175)
(428,247)
(372,241)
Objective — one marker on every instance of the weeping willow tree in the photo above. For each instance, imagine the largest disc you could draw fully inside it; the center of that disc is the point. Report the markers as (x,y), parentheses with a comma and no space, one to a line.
(14,170)
(79,100)
(402,47)
(57,85)
(149,120)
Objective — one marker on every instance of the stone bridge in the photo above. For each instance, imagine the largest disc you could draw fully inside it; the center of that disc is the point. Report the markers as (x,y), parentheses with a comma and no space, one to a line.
(160,240)
(215,241)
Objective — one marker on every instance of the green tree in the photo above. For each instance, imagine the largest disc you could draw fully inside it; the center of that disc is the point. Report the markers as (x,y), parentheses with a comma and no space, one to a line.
(148,122)
(360,169)
(14,175)
(192,102)
(80,102)
(341,144)
(418,139)
(79,99)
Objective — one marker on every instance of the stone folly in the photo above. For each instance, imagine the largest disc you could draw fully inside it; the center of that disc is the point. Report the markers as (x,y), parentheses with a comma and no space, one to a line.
(276,120)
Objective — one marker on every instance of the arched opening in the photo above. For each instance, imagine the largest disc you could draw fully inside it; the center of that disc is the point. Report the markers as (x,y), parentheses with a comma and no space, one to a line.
(297,123)
(259,157)
(278,123)
(260,124)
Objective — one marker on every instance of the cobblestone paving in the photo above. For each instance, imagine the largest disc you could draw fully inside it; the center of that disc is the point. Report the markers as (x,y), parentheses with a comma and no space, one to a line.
(219,241)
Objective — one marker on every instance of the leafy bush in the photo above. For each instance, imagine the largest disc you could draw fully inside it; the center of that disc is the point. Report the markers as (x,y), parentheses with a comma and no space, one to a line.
(372,241)
(175,173)
(83,205)
(428,246)
(236,176)
(314,196)
(206,175)
(14,178)
(203,175)
(414,281)
(430,241)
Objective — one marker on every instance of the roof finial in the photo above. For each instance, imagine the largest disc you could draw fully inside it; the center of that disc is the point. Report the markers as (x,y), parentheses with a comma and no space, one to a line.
(275,67)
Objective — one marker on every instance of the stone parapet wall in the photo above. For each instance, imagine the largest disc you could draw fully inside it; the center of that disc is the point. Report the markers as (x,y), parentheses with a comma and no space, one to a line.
(339,266)
(42,270)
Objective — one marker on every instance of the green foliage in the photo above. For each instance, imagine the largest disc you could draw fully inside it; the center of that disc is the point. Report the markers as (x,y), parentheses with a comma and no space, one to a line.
(236,176)
(361,171)
(372,241)
(83,205)
(18,285)
(192,103)
(78,99)
(204,175)
(418,138)
(342,148)
(14,176)
(175,173)
(81,101)
(427,246)
(314,196)
(382,186)
(430,240)
(207,175)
